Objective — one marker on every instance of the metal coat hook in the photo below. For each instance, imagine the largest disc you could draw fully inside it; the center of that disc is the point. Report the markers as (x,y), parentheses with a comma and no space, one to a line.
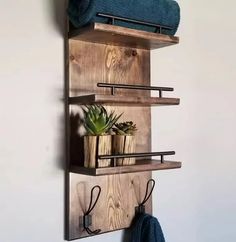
(141,208)
(87,218)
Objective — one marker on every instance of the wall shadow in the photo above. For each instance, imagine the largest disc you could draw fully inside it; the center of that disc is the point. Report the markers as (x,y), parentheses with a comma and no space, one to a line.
(58,13)
(76,155)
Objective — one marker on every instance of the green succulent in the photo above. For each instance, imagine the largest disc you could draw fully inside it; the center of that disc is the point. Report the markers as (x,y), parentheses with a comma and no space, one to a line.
(125,128)
(97,121)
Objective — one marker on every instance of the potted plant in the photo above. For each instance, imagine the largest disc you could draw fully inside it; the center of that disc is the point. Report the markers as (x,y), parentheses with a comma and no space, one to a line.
(124,141)
(97,141)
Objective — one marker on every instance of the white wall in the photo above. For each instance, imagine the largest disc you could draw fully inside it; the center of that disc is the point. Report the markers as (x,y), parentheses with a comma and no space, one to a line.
(196,203)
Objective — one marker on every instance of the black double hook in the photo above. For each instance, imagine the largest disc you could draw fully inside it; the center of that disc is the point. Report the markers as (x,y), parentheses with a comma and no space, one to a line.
(87,218)
(141,207)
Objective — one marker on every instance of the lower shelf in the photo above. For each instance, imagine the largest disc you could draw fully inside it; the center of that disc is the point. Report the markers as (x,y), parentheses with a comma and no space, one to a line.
(141,165)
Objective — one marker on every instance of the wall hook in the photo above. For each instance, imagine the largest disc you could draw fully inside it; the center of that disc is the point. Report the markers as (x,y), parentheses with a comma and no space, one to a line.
(87,218)
(141,207)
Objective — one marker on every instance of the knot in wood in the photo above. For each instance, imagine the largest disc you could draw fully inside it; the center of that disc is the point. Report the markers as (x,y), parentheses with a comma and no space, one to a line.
(117,205)
(134,52)
(130,52)
(72,57)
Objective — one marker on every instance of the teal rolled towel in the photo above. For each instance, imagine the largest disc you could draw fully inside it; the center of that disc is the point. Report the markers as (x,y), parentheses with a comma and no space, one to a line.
(146,229)
(163,12)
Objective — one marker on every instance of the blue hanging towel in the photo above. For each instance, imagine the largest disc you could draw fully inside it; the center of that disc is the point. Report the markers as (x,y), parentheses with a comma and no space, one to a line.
(162,12)
(146,228)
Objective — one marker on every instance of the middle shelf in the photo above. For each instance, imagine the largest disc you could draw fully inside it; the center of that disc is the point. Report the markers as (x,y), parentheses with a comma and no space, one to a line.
(124,99)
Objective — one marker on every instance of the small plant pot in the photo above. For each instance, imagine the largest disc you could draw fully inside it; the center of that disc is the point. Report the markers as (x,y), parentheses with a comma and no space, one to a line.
(124,144)
(97,145)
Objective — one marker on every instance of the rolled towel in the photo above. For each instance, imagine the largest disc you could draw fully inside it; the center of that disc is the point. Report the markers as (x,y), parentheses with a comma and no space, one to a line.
(146,228)
(162,12)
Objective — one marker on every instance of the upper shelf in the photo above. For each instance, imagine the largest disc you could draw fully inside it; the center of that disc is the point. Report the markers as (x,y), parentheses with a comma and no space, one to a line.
(120,36)
(123,100)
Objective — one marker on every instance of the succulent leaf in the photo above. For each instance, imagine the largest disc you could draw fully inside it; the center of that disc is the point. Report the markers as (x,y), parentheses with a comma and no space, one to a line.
(125,128)
(97,121)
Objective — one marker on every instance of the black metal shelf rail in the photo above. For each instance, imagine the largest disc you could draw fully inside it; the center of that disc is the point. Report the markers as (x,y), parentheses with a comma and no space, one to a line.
(136,155)
(112,19)
(114,86)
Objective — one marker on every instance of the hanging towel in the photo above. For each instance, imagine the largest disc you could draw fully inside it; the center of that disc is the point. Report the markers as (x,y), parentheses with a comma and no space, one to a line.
(146,228)
(163,12)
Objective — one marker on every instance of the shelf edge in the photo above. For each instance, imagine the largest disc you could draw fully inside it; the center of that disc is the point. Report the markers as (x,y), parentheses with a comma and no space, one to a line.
(167,165)
(116,100)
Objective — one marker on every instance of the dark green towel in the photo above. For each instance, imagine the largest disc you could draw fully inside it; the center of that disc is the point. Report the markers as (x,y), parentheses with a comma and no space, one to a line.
(146,228)
(163,12)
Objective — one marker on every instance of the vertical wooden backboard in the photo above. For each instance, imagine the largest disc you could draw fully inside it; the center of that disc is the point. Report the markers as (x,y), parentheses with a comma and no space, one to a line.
(90,63)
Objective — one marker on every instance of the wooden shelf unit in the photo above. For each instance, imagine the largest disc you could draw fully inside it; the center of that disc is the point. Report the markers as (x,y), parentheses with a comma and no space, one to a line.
(110,54)
(120,36)
(140,166)
(123,100)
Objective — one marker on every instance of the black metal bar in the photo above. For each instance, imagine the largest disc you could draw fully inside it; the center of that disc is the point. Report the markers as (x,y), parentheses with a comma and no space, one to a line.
(112,21)
(114,162)
(129,20)
(162,158)
(136,155)
(113,91)
(141,87)
(113,86)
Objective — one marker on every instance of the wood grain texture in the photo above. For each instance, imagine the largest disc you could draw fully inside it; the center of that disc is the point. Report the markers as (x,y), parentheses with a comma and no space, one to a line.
(97,145)
(124,144)
(116,205)
(120,36)
(111,64)
(90,63)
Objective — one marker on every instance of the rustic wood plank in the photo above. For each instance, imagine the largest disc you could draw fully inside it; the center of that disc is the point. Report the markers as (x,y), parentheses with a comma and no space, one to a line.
(123,100)
(124,144)
(140,166)
(120,36)
(115,208)
(90,63)
(103,144)
(111,64)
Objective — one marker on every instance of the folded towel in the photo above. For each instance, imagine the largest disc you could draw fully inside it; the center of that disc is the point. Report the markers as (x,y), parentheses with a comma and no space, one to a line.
(146,228)
(163,12)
